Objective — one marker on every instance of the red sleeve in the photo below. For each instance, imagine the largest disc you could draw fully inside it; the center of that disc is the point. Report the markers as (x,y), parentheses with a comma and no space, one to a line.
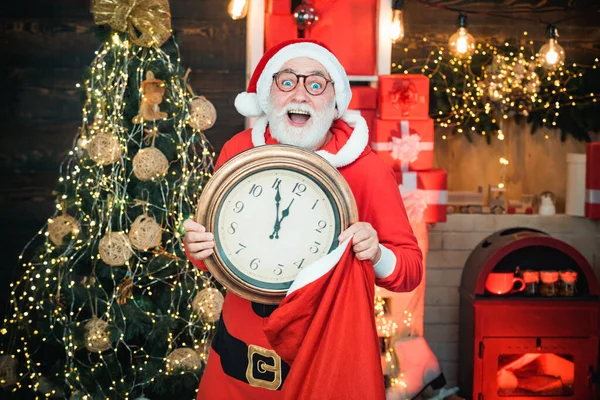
(224,156)
(386,213)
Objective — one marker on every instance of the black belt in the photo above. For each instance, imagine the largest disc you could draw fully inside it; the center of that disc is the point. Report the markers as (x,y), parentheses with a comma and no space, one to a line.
(252,364)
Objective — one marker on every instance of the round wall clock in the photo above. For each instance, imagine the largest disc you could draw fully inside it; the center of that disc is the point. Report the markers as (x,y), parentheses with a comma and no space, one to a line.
(273,210)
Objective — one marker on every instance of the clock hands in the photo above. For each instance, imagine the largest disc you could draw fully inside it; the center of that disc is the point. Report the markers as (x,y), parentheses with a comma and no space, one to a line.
(275,233)
(284,214)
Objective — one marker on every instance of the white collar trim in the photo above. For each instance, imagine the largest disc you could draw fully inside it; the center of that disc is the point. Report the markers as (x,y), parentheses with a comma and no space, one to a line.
(356,144)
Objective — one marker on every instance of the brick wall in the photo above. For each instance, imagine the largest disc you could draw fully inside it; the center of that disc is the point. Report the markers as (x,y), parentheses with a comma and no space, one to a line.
(451,243)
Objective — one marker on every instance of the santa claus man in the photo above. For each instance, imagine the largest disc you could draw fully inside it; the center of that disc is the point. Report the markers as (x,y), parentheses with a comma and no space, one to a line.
(300,93)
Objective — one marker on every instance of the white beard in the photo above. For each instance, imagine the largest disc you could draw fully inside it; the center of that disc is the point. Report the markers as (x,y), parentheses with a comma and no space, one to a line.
(310,136)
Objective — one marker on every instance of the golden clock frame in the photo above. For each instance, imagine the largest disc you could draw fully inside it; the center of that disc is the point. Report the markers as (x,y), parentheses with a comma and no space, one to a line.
(252,161)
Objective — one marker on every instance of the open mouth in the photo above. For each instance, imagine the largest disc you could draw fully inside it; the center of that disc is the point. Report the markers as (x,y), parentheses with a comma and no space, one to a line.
(298,117)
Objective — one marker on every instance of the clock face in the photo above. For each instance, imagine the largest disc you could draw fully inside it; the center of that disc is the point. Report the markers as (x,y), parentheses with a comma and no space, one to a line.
(272,224)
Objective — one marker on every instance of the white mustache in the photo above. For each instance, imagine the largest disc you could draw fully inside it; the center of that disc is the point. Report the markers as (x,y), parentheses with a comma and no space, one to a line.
(296,107)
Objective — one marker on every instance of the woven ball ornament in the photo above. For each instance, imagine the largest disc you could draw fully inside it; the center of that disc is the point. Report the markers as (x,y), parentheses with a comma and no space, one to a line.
(8,371)
(61,226)
(97,338)
(203,114)
(104,149)
(183,360)
(150,163)
(145,233)
(208,303)
(115,249)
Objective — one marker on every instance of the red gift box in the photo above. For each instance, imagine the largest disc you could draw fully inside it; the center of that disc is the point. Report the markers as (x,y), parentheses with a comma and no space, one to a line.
(405,145)
(349,29)
(279,7)
(279,28)
(425,194)
(592,180)
(403,96)
(364,100)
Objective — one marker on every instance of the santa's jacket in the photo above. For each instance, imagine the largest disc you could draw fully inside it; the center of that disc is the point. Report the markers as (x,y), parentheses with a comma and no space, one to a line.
(242,363)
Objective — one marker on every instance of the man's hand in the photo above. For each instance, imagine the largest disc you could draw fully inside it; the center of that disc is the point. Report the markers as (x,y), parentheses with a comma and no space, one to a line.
(199,243)
(365,241)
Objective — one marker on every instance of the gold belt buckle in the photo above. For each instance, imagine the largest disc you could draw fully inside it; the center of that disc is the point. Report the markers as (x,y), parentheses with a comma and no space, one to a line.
(263,367)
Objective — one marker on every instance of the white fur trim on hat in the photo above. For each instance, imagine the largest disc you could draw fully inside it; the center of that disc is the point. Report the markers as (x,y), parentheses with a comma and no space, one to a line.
(341,85)
(247,104)
(356,144)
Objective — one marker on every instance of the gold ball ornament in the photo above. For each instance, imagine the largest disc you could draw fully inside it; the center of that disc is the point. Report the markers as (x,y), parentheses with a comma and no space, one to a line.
(61,226)
(8,371)
(203,114)
(183,360)
(208,303)
(150,163)
(104,148)
(145,233)
(115,249)
(97,338)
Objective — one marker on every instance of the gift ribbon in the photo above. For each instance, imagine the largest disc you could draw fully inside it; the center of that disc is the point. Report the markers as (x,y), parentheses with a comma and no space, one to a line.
(416,200)
(406,148)
(592,196)
(151,18)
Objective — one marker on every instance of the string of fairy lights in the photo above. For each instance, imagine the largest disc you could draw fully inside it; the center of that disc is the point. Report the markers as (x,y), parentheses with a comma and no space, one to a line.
(77,289)
(485,84)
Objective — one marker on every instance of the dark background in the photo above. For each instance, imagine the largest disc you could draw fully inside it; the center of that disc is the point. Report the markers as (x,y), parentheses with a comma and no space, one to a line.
(46,45)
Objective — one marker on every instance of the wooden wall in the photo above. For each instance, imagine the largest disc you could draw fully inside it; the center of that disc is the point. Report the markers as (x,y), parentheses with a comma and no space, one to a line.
(46,45)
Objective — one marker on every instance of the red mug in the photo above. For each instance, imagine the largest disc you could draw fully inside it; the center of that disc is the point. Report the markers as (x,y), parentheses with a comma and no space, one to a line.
(503,283)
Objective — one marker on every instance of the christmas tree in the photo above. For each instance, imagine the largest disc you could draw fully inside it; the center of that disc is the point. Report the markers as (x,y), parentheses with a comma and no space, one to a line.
(108,305)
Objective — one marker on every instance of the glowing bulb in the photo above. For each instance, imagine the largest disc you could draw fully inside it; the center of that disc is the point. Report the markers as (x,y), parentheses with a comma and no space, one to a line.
(462,43)
(552,54)
(237,9)
(397,26)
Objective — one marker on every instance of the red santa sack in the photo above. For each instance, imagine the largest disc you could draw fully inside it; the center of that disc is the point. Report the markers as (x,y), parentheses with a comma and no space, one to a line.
(325,329)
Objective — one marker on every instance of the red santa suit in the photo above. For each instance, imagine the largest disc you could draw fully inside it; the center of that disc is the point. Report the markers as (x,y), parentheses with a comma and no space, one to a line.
(242,363)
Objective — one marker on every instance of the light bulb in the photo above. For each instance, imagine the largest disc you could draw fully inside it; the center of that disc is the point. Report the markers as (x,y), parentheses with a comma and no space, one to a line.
(552,54)
(397,26)
(237,9)
(461,43)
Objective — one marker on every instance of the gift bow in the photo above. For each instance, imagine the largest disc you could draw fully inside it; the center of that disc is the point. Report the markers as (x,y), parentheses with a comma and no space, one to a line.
(405,148)
(152,18)
(415,203)
(404,93)
(417,200)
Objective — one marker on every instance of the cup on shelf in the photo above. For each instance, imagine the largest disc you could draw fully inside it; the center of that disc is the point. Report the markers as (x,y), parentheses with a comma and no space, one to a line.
(549,283)
(501,283)
(568,283)
(532,282)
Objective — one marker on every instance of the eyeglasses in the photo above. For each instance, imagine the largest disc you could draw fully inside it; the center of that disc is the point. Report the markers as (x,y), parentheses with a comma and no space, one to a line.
(314,84)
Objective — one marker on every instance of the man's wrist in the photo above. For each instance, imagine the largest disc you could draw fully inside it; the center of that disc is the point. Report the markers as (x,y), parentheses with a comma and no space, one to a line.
(377,257)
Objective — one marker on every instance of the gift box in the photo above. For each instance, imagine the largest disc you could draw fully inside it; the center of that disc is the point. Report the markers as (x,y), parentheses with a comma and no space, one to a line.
(279,28)
(592,181)
(279,7)
(403,96)
(405,145)
(349,29)
(364,101)
(425,194)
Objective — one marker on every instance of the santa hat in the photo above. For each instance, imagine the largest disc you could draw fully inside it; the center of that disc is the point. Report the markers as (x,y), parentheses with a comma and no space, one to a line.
(254,101)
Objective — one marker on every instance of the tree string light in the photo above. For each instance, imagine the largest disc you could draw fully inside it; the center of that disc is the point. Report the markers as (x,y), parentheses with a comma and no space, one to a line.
(473,95)
(77,326)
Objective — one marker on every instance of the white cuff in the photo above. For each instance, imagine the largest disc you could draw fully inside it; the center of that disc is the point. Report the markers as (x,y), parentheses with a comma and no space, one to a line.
(386,264)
